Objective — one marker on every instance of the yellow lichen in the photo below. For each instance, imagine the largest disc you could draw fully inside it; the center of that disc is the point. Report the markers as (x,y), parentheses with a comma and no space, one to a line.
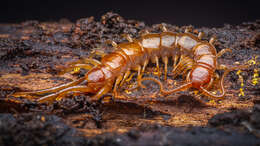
(127,91)
(242,93)
(196,92)
(240,78)
(255,78)
(75,70)
(252,61)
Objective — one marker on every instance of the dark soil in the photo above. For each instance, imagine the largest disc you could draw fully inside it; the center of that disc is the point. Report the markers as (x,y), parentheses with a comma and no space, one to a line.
(33,53)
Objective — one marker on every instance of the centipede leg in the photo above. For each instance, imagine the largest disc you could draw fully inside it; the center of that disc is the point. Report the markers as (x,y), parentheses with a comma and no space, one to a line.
(145,64)
(183,66)
(103,90)
(157,66)
(118,80)
(165,60)
(128,37)
(60,94)
(223,51)
(200,35)
(139,76)
(187,30)
(130,78)
(144,32)
(163,28)
(175,60)
(113,43)
(97,52)
(212,40)
(126,75)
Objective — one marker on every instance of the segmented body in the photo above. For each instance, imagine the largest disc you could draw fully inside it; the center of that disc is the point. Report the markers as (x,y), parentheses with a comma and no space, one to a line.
(115,67)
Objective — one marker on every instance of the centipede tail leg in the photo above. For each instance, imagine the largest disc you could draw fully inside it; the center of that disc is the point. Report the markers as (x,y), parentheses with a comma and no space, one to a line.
(60,94)
(50,90)
(165,60)
(162,90)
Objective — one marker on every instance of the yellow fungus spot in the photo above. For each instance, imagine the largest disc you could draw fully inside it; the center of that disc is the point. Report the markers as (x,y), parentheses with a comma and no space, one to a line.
(238,72)
(196,92)
(130,78)
(127,91)
(43,118)
(212,102)
(156,73)
(252,61)
(255,78)
(241,92)
(75,70)
(237,63)
(240,78)
(58,98)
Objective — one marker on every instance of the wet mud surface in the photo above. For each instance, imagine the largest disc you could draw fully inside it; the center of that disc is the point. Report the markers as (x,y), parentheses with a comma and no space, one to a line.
(33,53)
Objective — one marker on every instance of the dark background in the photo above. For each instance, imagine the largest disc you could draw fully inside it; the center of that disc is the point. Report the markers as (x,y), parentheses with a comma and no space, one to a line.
(178,12)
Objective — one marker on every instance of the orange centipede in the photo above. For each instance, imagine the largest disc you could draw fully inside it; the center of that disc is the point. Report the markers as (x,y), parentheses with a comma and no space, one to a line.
(114,68)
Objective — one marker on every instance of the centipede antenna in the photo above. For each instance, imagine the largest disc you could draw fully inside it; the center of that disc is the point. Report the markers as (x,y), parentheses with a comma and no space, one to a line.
(128,37)
(212,40)
(200,35)
(114,44)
